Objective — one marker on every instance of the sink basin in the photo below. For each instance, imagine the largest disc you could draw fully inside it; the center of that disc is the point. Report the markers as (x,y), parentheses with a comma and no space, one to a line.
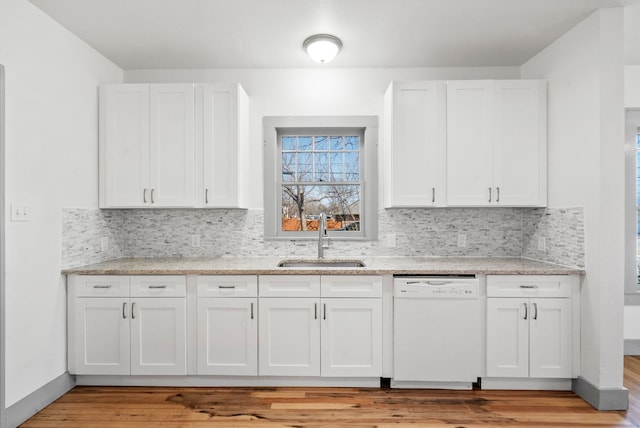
(321,263)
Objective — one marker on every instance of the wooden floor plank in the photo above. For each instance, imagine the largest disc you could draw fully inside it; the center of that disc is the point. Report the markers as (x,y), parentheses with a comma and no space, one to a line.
(163,407)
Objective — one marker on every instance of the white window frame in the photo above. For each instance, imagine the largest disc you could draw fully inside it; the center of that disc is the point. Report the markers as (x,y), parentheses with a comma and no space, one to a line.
(368,171)
(632,128)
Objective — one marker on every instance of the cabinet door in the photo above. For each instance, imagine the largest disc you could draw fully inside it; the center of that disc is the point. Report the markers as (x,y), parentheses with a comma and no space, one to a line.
(416,151)
(101,334)
(158,336)
(351,337)
(124,145)
(519,142)
(172,146)
(289,343)
(224,132)
(469,145)
(508,337)
(551,338)
(227,336)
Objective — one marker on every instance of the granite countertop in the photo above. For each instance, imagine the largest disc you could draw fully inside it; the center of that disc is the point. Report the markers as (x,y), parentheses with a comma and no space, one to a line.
(373,266)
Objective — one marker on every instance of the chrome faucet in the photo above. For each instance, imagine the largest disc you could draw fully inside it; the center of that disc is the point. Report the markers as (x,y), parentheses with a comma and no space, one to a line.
(322,233)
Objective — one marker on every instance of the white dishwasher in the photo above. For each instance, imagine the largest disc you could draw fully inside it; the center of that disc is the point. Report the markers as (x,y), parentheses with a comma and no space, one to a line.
(436,332)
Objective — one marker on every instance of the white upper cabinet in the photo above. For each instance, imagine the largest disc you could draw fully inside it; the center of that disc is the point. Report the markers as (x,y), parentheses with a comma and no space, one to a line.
(414,144)
(172,148)
(222,125)
(124,145)
(173,145)
(147,145)
(496,143)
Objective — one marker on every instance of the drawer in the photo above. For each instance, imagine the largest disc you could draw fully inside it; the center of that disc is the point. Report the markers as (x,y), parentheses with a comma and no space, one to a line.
(350,286)
(529,286)
(227,286)
(289,285)
(99,285)
(159,286)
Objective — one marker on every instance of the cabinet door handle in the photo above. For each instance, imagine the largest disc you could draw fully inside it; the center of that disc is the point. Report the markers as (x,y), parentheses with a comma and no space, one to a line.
(526,311)
(144,195)
(158,286)
(433,195)
(489,193)
(498,194)
(251,310)
(102,286)
(535,311)
(315,311)
(206,196)
(152,201)
(124,309)
(133,306)
(324,316)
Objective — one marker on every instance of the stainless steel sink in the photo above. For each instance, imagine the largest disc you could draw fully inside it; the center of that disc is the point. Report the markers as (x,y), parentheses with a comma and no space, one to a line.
(321,263)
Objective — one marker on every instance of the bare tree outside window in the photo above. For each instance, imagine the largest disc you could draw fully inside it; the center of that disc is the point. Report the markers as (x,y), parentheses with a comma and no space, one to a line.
(320,173)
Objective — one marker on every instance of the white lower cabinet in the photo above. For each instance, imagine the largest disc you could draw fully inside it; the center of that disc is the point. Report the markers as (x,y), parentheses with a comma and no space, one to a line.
(102,336)
(529,337)
(321,336)
(116,329)
(227,326)
(351,337)
(289,337)
(158,336)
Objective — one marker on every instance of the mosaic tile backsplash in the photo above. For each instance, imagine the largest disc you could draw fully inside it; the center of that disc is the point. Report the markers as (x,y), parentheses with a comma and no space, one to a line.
(491,232)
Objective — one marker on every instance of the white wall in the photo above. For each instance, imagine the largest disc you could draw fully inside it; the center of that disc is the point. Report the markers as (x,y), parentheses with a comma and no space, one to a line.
(586,163)
(276,92)
(51,160)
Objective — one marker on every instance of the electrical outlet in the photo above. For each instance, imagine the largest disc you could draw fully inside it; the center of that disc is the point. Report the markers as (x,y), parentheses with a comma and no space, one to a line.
(104,244)
(195,240)
(20,212)
(542,244)
(462,239)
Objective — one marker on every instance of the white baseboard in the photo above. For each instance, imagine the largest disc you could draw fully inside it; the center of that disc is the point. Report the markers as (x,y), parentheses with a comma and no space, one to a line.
(38,400)
(601,399)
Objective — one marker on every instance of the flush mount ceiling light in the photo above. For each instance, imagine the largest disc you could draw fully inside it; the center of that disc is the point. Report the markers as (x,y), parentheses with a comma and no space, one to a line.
(322,48)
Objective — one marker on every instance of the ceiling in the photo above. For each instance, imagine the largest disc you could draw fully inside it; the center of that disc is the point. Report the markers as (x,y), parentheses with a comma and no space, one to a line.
(202,34)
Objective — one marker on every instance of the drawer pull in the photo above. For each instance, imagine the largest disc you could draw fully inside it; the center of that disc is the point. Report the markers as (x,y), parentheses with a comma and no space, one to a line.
(101,286)
(227,287)
(157,286)
(529,286)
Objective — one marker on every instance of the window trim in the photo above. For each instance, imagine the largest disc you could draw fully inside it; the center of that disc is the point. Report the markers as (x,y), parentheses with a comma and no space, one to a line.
(632,129)
(369,171)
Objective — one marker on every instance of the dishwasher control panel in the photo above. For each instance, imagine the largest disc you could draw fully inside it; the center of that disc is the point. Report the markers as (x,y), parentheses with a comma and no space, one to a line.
(434,288)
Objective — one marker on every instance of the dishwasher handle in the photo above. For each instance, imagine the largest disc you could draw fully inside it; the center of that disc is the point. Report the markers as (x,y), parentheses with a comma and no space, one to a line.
(429,282)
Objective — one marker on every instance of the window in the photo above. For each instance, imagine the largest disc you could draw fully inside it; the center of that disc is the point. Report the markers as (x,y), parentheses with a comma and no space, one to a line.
(638,206)
(632,207)
(325,167)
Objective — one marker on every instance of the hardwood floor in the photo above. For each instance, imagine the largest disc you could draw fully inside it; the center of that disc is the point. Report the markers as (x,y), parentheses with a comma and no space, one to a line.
(134,407)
